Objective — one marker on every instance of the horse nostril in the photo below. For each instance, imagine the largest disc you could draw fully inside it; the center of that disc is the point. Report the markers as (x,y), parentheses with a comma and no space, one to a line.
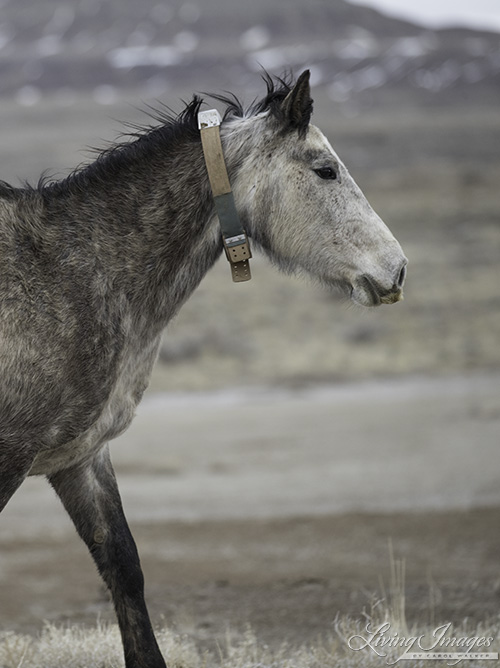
(401,277)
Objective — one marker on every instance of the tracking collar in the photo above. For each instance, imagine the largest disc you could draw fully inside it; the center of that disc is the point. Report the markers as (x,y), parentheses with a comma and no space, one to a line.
(233,235)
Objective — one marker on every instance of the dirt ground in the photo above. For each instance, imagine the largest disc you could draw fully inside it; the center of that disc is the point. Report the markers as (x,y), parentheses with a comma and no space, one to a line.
(287,578)
(280,510)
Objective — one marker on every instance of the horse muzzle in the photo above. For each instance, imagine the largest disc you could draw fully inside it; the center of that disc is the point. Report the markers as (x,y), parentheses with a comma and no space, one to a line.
(369,291)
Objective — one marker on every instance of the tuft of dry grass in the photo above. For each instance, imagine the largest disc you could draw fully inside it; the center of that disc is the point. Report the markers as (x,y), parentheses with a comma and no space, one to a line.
(100,647)
(78,647)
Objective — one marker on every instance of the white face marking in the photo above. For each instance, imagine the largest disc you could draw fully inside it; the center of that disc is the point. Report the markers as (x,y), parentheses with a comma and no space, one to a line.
(306,211)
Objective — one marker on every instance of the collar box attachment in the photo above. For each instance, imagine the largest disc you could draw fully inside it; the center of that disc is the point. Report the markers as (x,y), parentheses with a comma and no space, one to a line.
(209,119)
(237,248)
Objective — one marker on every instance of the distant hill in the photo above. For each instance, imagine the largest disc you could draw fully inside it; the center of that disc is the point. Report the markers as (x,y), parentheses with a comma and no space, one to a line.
(359,55)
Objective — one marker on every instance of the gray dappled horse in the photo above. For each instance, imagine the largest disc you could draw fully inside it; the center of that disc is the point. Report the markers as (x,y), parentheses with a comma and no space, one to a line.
(93,267)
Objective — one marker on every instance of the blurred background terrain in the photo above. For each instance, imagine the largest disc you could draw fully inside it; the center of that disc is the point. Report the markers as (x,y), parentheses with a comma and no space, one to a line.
(413,111)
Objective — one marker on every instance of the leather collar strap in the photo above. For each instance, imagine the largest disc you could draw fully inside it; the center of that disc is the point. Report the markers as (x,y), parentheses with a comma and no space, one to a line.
(234,237)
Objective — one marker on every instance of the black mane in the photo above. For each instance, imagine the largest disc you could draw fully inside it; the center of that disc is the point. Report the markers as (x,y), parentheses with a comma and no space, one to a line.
(166,130)
(277,90)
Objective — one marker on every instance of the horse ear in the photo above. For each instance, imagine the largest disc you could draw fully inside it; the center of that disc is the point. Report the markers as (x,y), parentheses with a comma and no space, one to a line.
(296,108)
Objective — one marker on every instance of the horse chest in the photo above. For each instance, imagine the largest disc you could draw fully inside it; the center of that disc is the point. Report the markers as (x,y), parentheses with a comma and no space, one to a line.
(115,416)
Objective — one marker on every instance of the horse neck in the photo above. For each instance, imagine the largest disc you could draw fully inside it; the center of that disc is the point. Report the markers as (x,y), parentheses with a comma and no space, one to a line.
(148,221)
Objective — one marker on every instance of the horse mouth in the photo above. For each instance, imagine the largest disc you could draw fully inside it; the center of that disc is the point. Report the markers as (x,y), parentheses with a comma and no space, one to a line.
(367,292)
(392,298)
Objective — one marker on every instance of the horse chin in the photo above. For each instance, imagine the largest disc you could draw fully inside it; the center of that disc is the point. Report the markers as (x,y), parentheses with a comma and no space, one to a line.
(364,297)
(356,293)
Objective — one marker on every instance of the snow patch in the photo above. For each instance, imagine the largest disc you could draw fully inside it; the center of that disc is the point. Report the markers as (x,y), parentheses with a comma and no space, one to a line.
(135,56)
(105,94)
(49,45)
(189,12)
(186,41)
(27,96)
(255,38)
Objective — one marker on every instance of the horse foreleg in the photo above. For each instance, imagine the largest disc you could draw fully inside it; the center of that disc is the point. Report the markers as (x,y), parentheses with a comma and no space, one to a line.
(15,463)
(90,495)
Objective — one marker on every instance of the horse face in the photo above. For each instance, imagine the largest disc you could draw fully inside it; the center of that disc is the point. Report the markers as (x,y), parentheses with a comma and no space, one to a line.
(307,213)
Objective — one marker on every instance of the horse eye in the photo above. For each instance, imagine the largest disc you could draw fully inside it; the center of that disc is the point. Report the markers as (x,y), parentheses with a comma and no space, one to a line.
(326,173)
